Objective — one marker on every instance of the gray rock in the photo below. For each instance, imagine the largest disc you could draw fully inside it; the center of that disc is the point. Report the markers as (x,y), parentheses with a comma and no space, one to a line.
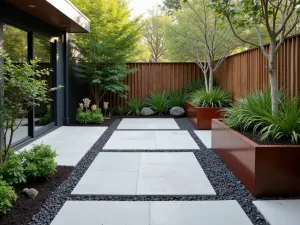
(177,111)
(30,192)
(147,112)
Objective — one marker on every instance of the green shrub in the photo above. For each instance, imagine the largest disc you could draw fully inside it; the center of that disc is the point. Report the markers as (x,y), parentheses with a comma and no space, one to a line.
(84,117)
(97,117)
(254,113)
(39,161)
(195,85)
(7,196)
(177,98)
(158,102)
(120,110)
(134,106)
(12,169)
(216,98)
(46,119)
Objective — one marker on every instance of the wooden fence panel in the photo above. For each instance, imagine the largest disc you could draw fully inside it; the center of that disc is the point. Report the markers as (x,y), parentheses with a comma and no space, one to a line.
(152,77)
(246,71)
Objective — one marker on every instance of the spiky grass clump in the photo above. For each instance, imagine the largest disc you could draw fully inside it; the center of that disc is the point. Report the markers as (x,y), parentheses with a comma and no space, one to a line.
(134,106)
(158,102)
(254,113)
(215,98)
(177,98)
(195,85)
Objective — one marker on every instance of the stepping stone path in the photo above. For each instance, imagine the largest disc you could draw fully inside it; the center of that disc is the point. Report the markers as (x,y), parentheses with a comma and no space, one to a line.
(205,137)
(136,173)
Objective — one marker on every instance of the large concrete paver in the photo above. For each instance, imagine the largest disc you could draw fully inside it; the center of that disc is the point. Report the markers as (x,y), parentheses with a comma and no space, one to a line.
(148,124)
(151,213)
(280,212)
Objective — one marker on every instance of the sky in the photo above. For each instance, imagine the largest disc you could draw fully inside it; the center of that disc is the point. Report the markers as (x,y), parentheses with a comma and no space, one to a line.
(142,6)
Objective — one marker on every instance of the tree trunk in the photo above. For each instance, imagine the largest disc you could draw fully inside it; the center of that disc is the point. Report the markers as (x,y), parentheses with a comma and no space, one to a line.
(211,76)
(206,81)
(273,80)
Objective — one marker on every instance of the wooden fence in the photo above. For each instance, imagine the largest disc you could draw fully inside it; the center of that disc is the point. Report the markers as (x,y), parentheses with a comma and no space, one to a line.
(245,72)
(151,77)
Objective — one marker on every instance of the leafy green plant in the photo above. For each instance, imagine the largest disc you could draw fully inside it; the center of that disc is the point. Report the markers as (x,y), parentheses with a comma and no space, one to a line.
(12,169)
(158,102)
(177,98)
(120,110)
(215,98)
(135,106)
(254,113)
(7,196)
(195,85)
(97,116)
(24,89)
(84,117)
(39,161)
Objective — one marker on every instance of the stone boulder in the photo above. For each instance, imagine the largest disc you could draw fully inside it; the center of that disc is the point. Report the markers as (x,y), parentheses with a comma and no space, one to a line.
(30,192)
(147,112)
(177,111)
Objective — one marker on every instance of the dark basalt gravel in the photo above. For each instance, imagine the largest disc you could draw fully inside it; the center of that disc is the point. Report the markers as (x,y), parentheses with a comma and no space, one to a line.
(25,208)
(226,185)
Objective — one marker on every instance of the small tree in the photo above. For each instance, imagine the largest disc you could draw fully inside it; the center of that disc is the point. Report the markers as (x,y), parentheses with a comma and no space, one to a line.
(102,54)
(199,33)
(154,35)
(22,90)
(279,17)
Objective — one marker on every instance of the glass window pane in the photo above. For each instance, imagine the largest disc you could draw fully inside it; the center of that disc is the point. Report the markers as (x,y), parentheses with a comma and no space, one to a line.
(15,44)
(44,112)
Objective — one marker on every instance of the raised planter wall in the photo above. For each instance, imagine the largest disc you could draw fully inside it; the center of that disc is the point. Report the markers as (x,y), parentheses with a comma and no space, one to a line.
(266,170)
(201,117)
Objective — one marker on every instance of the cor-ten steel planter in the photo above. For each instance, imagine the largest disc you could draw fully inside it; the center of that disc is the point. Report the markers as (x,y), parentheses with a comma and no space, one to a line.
(201,117)
(266,170)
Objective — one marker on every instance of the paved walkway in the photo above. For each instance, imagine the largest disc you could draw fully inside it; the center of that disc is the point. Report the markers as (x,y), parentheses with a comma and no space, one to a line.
(142,173)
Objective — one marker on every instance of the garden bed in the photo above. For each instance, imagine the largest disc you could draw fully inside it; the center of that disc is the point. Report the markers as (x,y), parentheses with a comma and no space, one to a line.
(201,117)
(266,170)
(25,208)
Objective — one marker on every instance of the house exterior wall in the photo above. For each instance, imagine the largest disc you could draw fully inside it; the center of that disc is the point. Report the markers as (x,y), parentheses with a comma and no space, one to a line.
(15,17)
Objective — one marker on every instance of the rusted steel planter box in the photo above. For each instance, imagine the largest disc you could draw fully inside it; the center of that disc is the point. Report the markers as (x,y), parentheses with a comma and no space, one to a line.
(201,117)
(266,170)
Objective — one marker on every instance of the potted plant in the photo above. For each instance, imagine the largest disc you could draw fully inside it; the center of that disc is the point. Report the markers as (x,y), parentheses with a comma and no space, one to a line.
(204,106)
(260,148)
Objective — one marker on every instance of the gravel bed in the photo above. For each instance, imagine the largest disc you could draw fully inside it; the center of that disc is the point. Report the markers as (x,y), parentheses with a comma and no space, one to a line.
(223,181)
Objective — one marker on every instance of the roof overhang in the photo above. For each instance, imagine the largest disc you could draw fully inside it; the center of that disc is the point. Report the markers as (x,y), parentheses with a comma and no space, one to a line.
(61,14)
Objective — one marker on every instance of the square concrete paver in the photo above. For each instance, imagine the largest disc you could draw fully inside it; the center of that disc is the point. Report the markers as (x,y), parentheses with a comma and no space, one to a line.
(174,140)
(151,213)
(71,143)
(107,183)
(148,124)
(205,137)
(198,212)
(172,174)
(280,212)
(131,140)
(103,213)
(151,140)
(144,174)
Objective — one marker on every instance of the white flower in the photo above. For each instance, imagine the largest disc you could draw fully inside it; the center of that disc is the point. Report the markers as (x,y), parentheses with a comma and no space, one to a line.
(105,105)
(86,102)
(94,108)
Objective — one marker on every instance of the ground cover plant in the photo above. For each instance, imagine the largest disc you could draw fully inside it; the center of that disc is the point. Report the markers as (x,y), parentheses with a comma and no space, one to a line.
(7,196)
(89,114)
(215,98)
(254,113)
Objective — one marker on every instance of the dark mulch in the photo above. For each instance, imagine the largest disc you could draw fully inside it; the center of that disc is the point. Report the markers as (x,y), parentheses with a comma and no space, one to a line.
(256,139)
(25,208)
